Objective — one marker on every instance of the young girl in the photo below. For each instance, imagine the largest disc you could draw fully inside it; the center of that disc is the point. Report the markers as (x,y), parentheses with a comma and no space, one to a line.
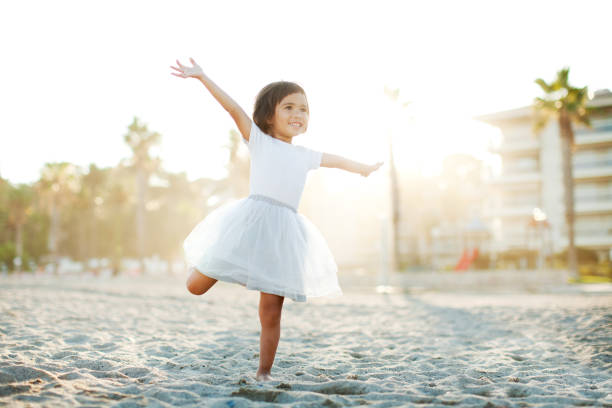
(261,241)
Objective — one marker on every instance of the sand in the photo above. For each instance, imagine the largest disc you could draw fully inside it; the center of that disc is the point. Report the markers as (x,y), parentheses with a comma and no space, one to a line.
(130,342)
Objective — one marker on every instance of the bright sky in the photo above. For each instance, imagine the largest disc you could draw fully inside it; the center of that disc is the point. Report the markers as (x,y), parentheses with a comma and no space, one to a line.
(75,73)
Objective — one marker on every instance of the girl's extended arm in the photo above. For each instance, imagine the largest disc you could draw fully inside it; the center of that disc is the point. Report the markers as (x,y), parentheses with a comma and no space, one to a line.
(240,117)
(339,162)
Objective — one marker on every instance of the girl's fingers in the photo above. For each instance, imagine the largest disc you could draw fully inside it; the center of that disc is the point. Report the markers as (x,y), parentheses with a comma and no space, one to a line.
(179,75)
(195,64)
(179,64)
(176,68)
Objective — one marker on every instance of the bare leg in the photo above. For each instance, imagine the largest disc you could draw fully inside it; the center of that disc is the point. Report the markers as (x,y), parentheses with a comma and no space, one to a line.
(270,307)
(198,284)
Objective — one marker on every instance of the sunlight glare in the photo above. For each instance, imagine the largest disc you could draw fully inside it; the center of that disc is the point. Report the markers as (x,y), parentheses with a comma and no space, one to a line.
(423,137)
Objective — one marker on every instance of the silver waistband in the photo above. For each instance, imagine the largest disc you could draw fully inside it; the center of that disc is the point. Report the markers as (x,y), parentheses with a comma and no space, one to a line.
(271,201)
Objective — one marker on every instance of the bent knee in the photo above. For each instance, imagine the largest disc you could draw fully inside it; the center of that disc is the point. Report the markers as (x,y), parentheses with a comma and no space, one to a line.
(194,288)
(198,284)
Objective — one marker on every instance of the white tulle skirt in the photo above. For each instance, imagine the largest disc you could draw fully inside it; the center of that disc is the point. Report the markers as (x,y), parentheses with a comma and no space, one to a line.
(264,245)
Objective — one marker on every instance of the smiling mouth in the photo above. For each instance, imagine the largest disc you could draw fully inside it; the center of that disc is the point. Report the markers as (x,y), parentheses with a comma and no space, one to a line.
(295,124)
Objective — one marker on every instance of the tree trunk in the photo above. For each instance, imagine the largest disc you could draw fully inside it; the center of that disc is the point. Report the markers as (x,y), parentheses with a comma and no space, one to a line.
(567,141)
(140,216)
(94,251)
(19,245)
(83,244)
(394,209)
(116,234)
(54,231)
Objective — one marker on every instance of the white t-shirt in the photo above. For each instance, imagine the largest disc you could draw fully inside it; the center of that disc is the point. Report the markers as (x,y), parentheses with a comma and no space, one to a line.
(279,169)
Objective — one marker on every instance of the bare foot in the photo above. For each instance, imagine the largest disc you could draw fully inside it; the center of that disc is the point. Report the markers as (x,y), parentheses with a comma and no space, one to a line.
(263,376)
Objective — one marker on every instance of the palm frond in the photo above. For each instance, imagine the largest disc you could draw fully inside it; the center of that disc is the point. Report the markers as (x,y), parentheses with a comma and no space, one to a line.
(562,78)
(541,117)
(583,93)
(583,119)
(541,104)
(545,87)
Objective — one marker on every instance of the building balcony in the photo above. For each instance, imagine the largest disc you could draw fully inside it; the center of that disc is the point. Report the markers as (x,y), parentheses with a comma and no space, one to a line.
(523,177)
(446,250)
(517,147)
(594,205)
(592,241)
(587,140)
(593,171)
(507,210)
(513,241)
(446,233)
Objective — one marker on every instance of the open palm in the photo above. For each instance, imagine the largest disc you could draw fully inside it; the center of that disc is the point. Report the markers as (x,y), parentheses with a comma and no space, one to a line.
(187,72)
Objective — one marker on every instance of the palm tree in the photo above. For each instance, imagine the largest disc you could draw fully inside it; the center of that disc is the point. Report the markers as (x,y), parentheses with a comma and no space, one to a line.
(56,188)
(178,212)
(20,206)
(89,199)
(567,105)
(393,95)
(141,139)
(395,212)
(114,209)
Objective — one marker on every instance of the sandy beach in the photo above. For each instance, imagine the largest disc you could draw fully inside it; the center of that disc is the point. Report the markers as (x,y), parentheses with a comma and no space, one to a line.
(131,342)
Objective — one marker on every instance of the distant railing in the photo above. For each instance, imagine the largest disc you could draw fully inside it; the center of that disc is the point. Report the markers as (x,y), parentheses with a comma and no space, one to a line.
(590,165)
(519,144)
(596,129)
(594,232)
(597,197)
(510,170)
(528,201)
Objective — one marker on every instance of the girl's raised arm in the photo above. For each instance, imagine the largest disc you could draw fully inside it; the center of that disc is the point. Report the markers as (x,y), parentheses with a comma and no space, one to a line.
(240,117)
(339,162)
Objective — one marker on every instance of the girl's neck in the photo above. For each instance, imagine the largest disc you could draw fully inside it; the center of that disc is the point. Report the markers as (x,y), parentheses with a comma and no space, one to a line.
(282,139)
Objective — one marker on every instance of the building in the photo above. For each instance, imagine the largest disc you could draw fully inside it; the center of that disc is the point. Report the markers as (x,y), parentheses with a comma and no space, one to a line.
(531,184)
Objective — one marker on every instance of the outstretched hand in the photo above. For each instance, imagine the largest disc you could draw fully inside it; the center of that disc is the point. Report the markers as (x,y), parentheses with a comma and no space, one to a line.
(187,72)
(370,168)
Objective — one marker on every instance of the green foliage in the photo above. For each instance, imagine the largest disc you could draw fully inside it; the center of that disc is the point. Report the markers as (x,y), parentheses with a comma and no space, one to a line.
(35,236)
(92,213)
(568,105)
(7,254)
(560,98)
(583,255)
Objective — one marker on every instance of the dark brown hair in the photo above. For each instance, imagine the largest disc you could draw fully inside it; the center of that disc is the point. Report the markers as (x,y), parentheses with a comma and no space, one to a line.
(267,99)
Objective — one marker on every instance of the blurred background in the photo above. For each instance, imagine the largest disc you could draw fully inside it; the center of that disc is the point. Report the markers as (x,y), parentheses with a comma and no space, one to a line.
(494,120)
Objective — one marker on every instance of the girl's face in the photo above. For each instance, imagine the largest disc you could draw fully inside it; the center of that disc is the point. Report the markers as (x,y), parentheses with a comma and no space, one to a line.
(290,116)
